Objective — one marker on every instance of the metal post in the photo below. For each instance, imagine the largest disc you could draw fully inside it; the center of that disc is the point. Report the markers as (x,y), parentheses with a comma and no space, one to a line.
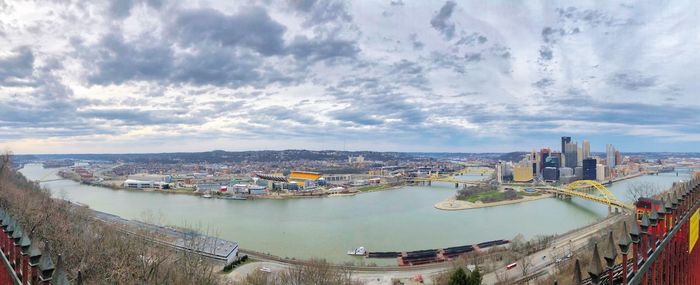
(46,267)
(610,256)
(635,234)
(34,258)
(624,245)
(645,239)
(653,222)
(595,268)
(24,244)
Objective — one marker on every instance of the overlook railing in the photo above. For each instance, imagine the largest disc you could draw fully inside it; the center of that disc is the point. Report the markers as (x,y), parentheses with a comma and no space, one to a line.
(23,260)
(663,237)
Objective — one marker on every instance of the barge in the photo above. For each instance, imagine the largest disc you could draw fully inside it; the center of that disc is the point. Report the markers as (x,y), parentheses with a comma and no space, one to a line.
(426,256)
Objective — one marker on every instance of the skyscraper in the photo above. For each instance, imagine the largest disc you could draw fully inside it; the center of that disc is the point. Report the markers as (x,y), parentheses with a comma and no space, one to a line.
(544,154)
(586,148)
(579,157)
(610,155)
(570,155)
(562,157)
(564,141)
(589,169)
(553,160)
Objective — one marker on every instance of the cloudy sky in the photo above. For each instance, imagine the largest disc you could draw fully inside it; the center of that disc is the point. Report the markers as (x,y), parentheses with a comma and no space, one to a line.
(475,76)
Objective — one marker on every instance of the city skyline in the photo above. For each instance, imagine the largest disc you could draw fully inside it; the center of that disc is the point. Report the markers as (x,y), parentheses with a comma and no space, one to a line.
(447,76)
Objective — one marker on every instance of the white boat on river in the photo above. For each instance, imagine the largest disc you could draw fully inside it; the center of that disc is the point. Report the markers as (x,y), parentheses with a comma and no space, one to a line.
(360,251)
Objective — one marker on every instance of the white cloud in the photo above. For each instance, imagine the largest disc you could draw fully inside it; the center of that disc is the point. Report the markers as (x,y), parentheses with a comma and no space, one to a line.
(470,75)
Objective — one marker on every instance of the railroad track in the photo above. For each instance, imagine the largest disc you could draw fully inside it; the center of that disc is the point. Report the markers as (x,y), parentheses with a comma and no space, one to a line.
(273,258)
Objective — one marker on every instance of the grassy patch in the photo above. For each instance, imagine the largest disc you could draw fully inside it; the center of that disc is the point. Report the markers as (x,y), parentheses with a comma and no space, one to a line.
(482,196)
(533,194)
(495,196)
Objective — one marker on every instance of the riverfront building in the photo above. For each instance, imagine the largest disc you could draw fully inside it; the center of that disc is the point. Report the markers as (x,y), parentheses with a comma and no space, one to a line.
(600,172)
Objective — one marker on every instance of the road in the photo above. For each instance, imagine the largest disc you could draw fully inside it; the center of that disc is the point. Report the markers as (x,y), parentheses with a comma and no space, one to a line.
(545,260)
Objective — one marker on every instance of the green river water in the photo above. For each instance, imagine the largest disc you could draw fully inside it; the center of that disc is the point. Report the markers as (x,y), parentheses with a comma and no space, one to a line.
(393,220)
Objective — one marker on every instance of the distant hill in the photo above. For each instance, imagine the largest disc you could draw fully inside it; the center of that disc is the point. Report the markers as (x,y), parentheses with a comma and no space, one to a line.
(512,156)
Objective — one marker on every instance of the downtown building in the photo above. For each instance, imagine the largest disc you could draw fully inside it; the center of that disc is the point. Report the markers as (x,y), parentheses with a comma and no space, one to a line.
(589,169)
(570,155)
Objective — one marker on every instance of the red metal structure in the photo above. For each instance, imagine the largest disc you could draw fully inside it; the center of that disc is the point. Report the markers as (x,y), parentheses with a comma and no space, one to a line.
(663,239)
(23,262)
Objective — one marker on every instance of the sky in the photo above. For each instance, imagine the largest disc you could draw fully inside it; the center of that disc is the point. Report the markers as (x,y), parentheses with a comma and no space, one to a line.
(393,75)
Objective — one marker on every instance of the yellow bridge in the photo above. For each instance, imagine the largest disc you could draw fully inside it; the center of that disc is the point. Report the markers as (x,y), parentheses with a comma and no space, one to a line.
(453,177)
(474,170)
(443,178)
(589,190)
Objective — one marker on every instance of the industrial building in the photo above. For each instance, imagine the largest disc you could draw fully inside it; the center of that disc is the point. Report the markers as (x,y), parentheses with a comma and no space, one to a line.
(143,184)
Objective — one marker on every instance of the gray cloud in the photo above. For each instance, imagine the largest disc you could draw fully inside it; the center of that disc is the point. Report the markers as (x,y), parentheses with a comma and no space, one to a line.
(551,35)
(133,116)
(409,73)
(120,8)
(252,28)
(441,21)
(472,57)
(632,81)
(174,65)
(417,44)
(546,53)
(543,83)
(17,66)
(320,49)
(117,61)
(319,12)
(472,39)
(281,113)
(218,66)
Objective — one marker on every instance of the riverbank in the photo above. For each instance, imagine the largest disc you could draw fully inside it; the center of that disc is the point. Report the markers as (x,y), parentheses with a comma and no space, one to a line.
(452,204)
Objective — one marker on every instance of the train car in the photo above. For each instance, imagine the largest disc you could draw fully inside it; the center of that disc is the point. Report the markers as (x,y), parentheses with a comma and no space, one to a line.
(511,266)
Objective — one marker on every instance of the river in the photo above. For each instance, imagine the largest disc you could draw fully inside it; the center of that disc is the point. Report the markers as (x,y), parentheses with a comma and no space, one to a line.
(393,220)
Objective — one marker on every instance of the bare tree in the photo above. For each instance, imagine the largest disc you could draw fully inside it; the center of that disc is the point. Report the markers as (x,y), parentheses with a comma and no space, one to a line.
(502,277)
(638,190)
(317,272)
(525,264)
